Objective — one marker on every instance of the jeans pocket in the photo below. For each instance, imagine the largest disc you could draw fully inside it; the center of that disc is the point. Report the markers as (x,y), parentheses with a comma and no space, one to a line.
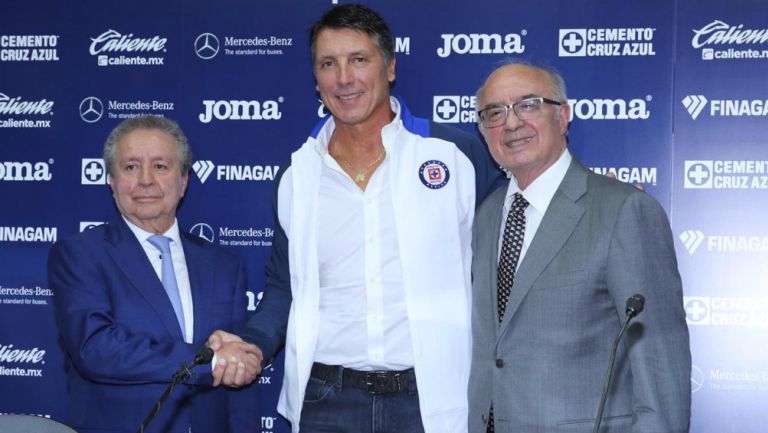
(317,390)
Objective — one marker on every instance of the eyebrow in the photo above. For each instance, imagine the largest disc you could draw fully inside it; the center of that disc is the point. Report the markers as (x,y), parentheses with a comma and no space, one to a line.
(363,53)
(499,104)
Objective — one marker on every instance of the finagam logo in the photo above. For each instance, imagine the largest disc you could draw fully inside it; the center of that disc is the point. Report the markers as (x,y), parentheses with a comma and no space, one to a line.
(241,110)
(691,240)
(204,168)
(724,244)
(14,171)
(643,175)
(719,33)
(481,43)
(28,234)
(109,45)
(16,106)
(695,104)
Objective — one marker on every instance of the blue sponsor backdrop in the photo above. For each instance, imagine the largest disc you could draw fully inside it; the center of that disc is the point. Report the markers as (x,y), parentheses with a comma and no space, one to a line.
(670,94)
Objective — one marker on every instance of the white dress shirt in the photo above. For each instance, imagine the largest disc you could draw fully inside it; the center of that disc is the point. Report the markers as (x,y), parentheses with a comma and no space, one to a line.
(433,238)
(538,194)
(179,267)
(363,317)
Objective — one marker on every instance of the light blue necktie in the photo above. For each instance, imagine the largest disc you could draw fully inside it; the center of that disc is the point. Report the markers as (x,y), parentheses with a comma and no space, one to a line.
(163,244)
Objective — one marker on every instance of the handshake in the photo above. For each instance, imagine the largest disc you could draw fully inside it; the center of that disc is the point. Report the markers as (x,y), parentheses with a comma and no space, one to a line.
(237,362)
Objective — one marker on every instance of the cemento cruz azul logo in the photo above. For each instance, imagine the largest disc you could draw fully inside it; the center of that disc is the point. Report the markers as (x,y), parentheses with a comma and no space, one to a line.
(93,172)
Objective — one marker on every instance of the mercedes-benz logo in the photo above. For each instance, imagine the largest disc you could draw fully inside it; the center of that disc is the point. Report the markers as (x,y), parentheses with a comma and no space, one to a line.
(202,230)
(697,378)
(207,46)
(91,109)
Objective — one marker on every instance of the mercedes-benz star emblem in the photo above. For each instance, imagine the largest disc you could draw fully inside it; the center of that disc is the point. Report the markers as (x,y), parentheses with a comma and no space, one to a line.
(202,230)
(207,46)
(91,109)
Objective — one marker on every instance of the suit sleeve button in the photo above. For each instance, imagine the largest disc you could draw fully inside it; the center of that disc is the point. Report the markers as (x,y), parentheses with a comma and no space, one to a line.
(499,363)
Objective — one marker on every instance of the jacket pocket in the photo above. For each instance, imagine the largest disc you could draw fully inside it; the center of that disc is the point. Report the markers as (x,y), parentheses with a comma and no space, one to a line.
(562,281)
(612,424)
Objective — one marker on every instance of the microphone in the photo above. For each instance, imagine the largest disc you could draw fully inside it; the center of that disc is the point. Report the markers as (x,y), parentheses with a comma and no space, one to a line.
(635,305)
(203,356)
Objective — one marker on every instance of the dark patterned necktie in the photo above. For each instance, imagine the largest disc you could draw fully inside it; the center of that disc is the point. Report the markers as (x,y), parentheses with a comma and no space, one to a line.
(514,230)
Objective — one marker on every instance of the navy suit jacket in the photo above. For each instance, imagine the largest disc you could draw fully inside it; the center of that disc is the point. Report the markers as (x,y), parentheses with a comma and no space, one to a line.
(123,340)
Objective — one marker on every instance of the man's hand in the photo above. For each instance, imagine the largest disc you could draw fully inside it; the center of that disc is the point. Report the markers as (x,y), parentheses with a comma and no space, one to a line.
(237,362)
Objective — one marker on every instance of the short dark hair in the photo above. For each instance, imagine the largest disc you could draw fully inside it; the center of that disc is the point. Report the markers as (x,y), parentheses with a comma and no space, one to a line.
(148,122)
(356,17)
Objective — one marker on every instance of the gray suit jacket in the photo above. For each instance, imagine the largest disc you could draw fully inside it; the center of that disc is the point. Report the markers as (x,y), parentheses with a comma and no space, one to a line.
(543,367)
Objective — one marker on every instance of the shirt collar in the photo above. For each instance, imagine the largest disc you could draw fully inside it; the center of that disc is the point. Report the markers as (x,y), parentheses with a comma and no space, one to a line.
(142,235)
(540,192)
(324,136)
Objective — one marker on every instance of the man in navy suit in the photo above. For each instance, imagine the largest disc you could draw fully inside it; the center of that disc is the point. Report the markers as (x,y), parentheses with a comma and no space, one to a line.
(130,309)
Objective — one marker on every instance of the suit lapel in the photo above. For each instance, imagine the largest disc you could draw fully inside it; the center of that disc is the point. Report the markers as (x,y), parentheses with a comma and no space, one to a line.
(129,257)
(561,218)
(200,268)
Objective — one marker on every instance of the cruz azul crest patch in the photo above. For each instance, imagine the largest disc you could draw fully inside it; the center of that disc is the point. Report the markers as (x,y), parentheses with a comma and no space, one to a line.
(434,174)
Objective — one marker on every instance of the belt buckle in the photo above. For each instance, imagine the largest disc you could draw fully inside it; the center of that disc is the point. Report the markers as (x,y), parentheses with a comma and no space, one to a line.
(382,382)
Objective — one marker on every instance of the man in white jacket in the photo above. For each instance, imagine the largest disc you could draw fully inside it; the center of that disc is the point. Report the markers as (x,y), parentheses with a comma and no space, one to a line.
(369,280)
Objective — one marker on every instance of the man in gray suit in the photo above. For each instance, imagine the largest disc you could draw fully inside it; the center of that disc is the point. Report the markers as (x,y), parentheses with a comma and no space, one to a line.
(556,255)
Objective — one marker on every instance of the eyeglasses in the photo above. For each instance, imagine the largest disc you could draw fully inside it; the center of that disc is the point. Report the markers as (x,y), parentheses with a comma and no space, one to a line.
(496,115)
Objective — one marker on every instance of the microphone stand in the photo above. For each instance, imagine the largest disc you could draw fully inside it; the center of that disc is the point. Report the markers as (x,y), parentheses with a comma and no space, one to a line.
(184,372)
(635,305)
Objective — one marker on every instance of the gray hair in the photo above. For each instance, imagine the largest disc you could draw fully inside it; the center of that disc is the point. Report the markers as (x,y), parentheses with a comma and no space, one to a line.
(559,92)
(148,122)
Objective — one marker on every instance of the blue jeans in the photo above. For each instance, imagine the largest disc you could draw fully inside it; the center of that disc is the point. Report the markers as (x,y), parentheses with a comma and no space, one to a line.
(331,407)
